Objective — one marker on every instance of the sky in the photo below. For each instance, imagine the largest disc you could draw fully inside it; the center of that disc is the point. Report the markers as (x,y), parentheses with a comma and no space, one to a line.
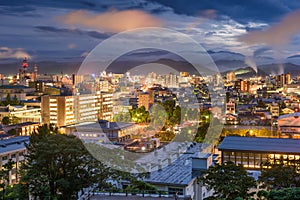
(69,30)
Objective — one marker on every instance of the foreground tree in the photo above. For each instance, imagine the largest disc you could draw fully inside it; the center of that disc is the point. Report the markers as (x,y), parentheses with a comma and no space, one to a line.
(229,181)
(4,176)
(58,166)
(277,176)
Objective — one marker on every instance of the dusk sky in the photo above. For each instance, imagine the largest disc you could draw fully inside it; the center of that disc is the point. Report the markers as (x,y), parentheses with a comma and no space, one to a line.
(59,30)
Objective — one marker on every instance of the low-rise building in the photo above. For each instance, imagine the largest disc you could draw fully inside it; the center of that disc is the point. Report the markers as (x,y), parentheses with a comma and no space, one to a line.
(22,129)
(23,113)
(103,131)
(253,152)
(289,125)
(20,91)
(14,149)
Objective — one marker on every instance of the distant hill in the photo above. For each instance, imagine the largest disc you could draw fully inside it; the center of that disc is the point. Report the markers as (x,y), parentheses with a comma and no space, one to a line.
(280,68)
(225,61)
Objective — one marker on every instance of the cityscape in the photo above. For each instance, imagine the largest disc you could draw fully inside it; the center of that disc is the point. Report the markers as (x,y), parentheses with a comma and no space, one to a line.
(149,100)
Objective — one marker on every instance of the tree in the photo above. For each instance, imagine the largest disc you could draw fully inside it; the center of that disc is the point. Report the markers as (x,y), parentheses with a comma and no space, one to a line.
(8,98)
(4,175)
(15,101)
(276,176)
(140,115)
(201,132)
(284,194)
(229,181)
(5,120)
(58,166)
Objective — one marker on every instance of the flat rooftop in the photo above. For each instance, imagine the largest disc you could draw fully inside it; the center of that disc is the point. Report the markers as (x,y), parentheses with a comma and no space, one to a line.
(179,172)
(256,144)
(13,144)
(103,197)
(101,125)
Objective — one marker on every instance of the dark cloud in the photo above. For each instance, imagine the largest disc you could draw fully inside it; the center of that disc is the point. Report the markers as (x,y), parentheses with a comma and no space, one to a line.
(260,51)
(93,34)
(241,11)
(25,11)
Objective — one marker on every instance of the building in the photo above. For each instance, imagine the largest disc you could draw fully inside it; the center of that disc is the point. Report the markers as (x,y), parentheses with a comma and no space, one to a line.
(274,109)
(230,76)
(283,79)
(58,110)
(230,107)
(63,110)
(22,129)
(104,105)
(13,148)
(242,85)
(172,80)
(144,99)
(252,152)
(103,131)
(289,125)
(177,169)
(20,91)
(23,113)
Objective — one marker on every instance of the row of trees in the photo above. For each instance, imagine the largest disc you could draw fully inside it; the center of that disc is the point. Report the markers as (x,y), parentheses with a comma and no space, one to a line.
(57,167)
(231,181)
(162,112)
(11,101)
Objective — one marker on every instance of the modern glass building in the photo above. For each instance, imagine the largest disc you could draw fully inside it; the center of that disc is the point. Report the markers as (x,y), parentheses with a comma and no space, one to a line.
(253,152)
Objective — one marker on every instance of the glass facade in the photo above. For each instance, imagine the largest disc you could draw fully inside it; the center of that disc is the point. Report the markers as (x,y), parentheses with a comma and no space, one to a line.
(254,160)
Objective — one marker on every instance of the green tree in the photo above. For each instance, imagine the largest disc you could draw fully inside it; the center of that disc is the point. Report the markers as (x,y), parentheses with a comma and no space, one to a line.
(5,120)
(229,181)
(58,166)
(4,176)
(8,99)
(176,115)
(276,176)
(140,115)
(15,101)
(158,116)
(201,132)
(284,194)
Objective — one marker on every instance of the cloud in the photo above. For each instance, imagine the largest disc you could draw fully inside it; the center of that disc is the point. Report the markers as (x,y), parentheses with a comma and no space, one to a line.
(93,34)
(111,21)
(278,34)
(6,53)
(260,51)
(240,11)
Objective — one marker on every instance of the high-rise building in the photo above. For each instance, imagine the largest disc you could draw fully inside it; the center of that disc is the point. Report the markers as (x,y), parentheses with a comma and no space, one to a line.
(242,85)
(58,110)
(283,79)
(172,80)
(65,110)
(144,100)
(104,105)
(230,76)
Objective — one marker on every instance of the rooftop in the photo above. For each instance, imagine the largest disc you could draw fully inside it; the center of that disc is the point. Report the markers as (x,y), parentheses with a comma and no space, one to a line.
(102,125)
(179,172)
(14,87)
(275,145)
(103,197)
(296,114)
(13,144)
